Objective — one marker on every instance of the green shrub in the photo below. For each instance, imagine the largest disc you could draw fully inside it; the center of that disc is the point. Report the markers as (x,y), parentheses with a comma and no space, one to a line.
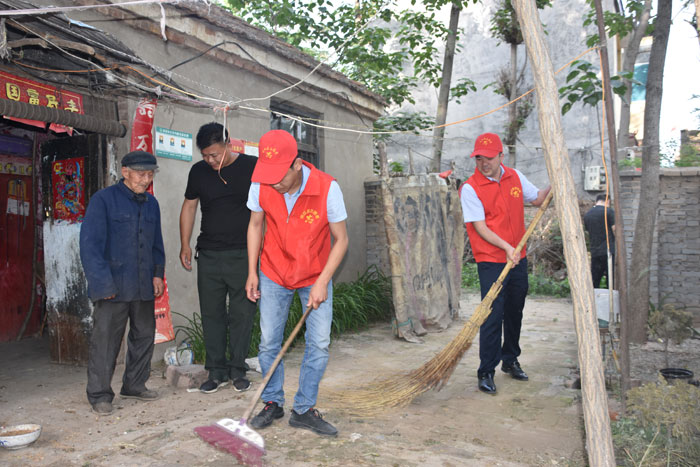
(355,305)
(663,427)
(470,277)
(540,283)
(192,333)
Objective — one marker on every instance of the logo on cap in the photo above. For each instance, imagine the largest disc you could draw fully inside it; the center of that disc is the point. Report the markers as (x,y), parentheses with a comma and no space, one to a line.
(309,216)
(486,141)
(270,152)
(515,192)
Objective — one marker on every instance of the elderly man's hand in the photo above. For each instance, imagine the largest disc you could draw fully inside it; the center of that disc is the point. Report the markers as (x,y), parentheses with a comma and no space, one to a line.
(158,286)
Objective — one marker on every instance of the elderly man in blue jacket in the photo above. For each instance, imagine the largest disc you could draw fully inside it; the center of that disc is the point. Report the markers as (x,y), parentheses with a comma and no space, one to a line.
(121,249)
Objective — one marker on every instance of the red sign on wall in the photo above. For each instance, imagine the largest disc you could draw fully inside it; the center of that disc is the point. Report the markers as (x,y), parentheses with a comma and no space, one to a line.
(68,182)
(25,90)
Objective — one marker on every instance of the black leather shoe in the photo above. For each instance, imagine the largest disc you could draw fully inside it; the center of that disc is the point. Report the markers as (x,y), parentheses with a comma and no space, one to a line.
(486,383)
(514,370)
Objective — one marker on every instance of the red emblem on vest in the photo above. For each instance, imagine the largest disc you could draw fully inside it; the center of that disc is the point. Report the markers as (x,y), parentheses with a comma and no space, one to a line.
(515,192)
(309,216)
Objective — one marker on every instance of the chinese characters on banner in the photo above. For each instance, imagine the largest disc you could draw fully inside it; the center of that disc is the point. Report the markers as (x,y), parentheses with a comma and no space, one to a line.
(68,182)
(142,140)
(24,90)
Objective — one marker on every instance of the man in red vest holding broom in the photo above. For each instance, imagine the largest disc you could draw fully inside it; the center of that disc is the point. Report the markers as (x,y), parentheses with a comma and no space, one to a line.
(301,208)
(493,208)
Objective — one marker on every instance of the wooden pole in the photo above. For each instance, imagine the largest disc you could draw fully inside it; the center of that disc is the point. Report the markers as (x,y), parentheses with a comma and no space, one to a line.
(620,247)
(595,403)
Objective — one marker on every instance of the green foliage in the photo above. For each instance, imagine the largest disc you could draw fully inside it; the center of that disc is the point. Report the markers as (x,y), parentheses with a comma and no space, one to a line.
(193,334)
(355,305)
(470,277)
(616,24)
(403,121)
(378,52)
(396,168)
(663,427)
(540,284)
(689,157)
(584,85)
(463,87)
(635,163)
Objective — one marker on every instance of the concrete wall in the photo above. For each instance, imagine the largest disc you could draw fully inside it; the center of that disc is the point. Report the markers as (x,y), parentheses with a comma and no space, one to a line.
(675,265)
(480,59)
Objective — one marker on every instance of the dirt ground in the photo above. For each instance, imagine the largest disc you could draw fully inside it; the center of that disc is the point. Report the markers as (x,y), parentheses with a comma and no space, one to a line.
(527,423)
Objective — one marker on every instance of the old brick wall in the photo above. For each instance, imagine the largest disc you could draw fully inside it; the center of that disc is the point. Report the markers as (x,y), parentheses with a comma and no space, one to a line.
(675,266)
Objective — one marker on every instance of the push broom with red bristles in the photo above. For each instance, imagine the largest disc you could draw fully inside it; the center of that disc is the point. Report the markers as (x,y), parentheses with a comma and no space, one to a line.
(235,436)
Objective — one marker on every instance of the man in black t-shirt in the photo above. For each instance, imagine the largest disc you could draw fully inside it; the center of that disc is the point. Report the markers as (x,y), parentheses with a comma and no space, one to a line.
(220,182)
(594,221)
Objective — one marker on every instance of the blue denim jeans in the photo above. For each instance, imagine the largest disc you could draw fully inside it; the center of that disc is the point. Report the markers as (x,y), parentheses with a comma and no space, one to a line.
(274,310)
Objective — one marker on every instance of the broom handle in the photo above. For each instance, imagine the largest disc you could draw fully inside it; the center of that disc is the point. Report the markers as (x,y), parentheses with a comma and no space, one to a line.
(523,241)
(274,365)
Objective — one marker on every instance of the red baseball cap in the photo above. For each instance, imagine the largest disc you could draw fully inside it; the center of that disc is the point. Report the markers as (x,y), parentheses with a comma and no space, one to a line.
(276,151)
(488,145)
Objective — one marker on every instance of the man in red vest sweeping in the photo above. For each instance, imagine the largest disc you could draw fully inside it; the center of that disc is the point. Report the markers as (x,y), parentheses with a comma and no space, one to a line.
(301,208)
(492,204)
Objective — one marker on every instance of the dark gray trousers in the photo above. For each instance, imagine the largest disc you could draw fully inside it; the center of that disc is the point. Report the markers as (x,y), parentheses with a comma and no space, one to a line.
(221,274)
(109,324)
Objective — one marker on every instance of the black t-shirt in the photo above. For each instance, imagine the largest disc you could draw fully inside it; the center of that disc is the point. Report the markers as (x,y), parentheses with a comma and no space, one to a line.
(594,220)
(224,213)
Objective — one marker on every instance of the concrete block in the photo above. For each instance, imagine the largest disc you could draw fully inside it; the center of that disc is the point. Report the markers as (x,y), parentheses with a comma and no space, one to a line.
(186,376)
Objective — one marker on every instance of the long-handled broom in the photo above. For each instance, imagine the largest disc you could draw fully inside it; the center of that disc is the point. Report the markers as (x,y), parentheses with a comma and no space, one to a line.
(235,436)
(401,389)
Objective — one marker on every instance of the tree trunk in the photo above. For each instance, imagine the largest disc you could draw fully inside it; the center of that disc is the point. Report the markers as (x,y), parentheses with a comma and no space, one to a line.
(621,270)
(511,129)
(649,192)
(445,84)
(631,52)
(595,403)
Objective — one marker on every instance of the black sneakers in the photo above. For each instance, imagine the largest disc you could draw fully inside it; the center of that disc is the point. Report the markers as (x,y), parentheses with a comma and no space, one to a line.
(267,415)
(514,370)
(312,420)
(241,384)
(212,385)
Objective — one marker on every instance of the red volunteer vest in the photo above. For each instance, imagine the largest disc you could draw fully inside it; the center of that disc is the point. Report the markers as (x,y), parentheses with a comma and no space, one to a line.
(296,245)
(505,214)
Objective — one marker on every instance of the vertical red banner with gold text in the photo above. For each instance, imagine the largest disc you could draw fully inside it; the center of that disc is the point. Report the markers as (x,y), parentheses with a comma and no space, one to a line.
(142,140)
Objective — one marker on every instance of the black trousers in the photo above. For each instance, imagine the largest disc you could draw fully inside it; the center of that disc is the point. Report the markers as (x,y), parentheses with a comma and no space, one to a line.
(109,324)
(222,274)
(599,268)
(506,315)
